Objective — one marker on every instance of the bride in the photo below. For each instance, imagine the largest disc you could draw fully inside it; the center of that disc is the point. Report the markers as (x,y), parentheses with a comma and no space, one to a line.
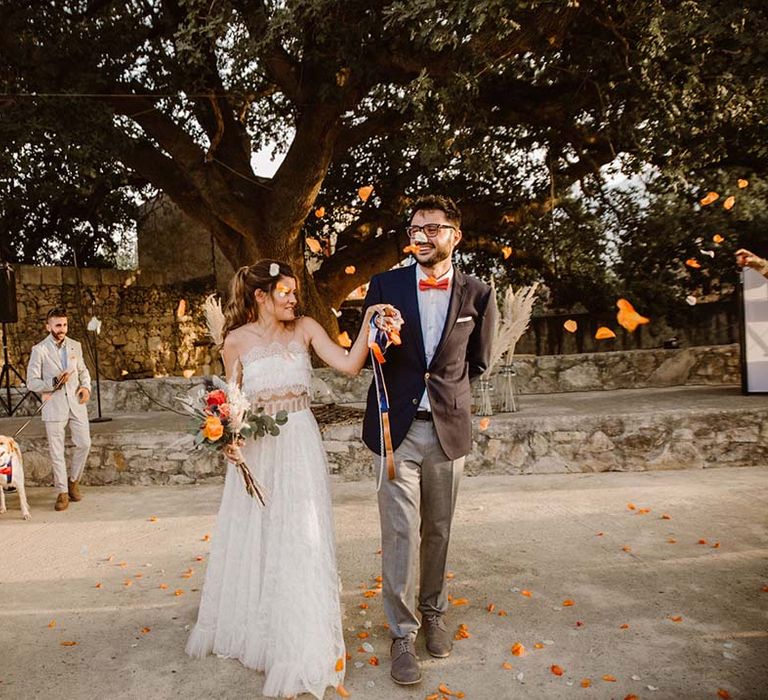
(271,591)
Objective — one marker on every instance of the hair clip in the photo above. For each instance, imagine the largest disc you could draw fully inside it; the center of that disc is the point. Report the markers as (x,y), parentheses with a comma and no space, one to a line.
(274,270)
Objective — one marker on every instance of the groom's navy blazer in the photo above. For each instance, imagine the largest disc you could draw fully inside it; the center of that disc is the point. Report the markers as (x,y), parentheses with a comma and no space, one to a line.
(461,355)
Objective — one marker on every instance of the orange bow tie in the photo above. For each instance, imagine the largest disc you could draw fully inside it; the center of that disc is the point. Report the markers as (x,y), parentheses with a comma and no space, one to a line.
(432,283)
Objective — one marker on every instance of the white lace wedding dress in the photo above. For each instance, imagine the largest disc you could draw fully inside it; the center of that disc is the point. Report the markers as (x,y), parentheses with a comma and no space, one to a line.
(271,591)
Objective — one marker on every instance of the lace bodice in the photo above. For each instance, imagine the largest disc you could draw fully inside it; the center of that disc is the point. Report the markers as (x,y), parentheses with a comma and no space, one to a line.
(277,370)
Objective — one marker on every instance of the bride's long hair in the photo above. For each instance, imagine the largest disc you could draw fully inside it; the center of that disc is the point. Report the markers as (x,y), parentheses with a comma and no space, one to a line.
(241,307)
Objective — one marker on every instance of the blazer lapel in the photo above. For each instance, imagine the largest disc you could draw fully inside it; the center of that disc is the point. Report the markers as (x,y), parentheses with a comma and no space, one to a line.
(410,311)
(458,289)
(53,352)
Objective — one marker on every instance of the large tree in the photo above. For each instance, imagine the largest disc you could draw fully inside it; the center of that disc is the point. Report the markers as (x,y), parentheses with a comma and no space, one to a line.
(503,104)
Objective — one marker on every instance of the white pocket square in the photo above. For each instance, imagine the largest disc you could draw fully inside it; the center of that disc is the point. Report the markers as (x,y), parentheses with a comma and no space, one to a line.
(463,319)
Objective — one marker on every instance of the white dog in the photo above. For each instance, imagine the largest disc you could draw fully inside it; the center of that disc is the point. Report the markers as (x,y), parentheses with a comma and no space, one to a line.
(12,473)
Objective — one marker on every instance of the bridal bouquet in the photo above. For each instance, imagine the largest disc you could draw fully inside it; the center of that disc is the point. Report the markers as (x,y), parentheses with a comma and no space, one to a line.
(223,416)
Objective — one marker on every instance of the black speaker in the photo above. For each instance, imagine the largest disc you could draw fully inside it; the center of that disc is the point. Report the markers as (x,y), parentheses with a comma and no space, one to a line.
(8,311)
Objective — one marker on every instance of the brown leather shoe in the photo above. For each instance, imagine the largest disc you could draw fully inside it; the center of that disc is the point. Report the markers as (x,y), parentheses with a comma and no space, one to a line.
(74,490)
(439,642)
(405,664)
(62,501)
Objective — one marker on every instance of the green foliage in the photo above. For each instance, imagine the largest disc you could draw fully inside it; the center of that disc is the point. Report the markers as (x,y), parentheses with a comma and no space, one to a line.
(510,107)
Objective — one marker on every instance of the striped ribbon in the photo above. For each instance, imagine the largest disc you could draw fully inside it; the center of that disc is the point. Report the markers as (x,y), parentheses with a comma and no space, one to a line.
(378,341)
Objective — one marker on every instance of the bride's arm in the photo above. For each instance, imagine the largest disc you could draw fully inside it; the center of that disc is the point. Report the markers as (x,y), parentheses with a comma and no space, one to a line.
(332,353)
(231,356)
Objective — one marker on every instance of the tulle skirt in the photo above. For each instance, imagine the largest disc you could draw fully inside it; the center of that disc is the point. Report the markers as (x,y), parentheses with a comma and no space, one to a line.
(271,591)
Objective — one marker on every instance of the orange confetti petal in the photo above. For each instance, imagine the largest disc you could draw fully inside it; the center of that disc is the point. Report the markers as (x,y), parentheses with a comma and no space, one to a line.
(363,606)
(671,540)
(153,519)
(413,248)
(350,270)
(365,192)
(320,212)
(374,661)
(666,516)
(369,594)
(717,238)
(460,601)
(765,589)
(445,689)
(506,666)
(676,618)
(626,548)
(433,696)
(604,333)
(314,245)
(527,594)
(716,545)
(625,626)
(709,198)
(199,558)
(570,325)
(599,534)
(484,423)
(722,693)
(52,624)
(449,575)
(68,644)
(538,645)
(643,511)
(629,318)
(729,202)
(341,691)
(609,678)
(557,670)
(742,183)
(146,630)
(692,262)
(344,340)
(518,649)
(701,542)
(206,538)
(178,592)
(163,586)
(363,635)
(568,603)
(128,583)
(98,585)
(506,251)
(502,613)
(586,683)
(631,506)
(631,696)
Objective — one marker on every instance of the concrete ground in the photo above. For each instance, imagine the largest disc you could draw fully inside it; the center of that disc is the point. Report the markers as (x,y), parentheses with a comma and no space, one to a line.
(664,615)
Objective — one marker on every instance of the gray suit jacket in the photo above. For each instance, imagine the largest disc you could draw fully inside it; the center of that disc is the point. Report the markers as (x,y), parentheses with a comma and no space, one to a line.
(45,365)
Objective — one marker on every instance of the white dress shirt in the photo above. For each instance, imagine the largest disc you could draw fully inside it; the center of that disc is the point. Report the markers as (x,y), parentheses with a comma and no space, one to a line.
(433,310)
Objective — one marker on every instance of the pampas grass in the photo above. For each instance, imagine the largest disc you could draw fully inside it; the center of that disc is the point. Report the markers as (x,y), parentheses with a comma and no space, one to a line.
(512,322)
(214,318)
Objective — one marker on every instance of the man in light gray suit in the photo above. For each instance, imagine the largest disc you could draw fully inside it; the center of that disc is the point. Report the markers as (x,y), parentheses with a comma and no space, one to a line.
(53,361)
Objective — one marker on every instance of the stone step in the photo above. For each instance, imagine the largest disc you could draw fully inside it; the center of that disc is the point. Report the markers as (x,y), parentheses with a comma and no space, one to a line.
(622,430)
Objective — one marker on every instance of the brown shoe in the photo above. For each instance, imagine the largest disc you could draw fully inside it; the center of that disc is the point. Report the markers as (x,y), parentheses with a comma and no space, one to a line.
(439,642)
(405,664)
(74,491)
(62,501)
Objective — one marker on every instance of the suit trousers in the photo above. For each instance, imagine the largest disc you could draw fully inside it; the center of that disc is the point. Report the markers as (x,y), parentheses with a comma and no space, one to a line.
(81,437)
(416,509)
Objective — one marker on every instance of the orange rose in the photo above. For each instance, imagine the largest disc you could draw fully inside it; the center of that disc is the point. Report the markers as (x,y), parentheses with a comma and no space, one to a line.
(213,429)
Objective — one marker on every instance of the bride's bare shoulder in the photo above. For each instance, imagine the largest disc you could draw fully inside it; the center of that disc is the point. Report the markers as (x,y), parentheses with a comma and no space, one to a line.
(236,342)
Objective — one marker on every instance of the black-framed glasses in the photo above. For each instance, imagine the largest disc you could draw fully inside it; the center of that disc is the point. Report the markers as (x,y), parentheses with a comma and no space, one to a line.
(431,230)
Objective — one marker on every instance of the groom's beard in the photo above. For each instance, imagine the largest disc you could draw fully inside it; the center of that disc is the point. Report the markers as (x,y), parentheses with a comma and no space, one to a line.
(436,255)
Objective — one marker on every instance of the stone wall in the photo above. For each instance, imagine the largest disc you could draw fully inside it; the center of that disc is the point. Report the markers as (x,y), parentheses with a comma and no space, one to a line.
(549,374)
(145,331)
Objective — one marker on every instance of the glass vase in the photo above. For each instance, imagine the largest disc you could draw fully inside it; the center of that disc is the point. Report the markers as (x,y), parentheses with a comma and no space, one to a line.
(505,389)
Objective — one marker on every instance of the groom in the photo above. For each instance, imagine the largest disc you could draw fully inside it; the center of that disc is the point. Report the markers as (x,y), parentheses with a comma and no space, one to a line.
(446,338)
